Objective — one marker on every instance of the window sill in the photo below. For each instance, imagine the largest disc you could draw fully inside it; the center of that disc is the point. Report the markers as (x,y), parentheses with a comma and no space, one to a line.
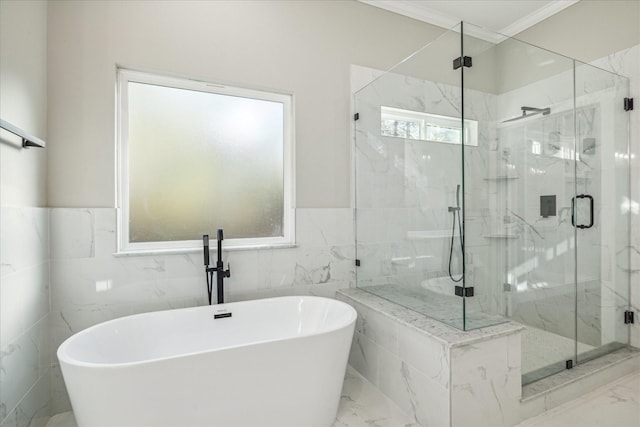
(183,251)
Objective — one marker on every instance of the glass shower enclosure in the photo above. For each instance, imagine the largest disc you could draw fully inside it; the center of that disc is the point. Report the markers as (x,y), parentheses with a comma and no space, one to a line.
(492,184)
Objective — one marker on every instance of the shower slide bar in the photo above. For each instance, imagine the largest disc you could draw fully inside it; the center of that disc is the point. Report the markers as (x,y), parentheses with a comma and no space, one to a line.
(27,139)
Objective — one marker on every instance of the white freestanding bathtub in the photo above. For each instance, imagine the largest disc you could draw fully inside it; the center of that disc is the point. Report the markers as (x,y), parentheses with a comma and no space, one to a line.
(274,362)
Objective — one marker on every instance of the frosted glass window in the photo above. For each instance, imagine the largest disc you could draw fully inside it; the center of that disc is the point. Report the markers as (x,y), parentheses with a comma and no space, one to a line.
(197,157)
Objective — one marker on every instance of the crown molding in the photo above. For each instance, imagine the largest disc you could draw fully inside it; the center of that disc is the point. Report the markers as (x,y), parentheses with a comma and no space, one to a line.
(539,15)
(416,10)
(421,11)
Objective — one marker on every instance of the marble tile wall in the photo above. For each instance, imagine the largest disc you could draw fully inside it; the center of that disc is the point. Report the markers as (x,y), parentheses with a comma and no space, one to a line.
(627,63)
(397,194)
(539,260)
(540,263)
(436,374)
(24,317)
(407,185)
(544,264)
(541,150)
(91,285)
(486,382)
(404,188)
(412,372)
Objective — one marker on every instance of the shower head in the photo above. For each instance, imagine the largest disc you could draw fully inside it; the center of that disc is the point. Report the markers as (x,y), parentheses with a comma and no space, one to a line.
(528,112)
(544,111)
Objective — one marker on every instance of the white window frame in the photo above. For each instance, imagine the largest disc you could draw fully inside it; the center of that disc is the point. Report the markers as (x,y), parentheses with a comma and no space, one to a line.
(424,119)
(124,76)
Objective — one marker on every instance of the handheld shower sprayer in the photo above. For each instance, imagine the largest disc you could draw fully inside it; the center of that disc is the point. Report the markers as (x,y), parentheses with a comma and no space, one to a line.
(456,213)
(457,206)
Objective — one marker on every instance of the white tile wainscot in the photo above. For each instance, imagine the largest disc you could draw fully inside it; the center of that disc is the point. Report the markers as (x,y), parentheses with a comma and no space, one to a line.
(24,317)
(438,375)
(89,285)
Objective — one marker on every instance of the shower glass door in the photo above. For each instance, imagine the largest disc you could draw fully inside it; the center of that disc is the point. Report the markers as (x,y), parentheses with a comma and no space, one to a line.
(491,184)
(408,176)
(602,211)
(546,208)
(519,241)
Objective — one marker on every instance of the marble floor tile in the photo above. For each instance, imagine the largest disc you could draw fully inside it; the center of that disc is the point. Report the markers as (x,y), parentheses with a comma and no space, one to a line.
(542,348)
(361,405)
(613,405)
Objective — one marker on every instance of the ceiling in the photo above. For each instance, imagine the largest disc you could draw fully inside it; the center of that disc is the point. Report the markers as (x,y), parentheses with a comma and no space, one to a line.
(507,17)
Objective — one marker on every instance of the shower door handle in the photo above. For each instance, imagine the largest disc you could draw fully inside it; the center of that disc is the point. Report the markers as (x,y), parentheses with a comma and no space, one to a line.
(573,220)
(587,196)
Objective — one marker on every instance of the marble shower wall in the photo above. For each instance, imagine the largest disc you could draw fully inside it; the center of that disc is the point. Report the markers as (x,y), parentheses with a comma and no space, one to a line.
(24,317)
(540,264)
(404,187)
(627,63)
(90,285)
(541,261)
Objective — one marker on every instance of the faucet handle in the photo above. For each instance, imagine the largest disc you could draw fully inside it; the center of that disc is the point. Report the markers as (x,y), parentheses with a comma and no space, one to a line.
(227,273)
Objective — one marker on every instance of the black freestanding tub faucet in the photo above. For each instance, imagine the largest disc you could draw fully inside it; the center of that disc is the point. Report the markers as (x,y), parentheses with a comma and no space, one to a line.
(218,270)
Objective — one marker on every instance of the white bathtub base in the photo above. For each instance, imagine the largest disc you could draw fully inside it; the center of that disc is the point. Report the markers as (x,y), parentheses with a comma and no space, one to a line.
(209,392)
(294,381)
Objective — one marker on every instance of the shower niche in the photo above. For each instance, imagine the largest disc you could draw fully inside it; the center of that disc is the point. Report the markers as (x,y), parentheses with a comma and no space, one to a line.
(491,180)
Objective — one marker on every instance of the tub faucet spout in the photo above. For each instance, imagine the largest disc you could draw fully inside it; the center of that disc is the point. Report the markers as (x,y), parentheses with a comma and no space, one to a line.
(218,270)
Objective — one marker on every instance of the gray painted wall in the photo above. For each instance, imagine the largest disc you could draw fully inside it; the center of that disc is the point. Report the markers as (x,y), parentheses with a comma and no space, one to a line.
(25,372)
(23,100)
(302,47)
(588,30)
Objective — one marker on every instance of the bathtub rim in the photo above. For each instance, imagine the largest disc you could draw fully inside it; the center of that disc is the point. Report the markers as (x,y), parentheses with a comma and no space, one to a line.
(65,359)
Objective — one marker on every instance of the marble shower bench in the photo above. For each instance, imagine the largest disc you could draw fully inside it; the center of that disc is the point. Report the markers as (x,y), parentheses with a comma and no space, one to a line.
(441,376)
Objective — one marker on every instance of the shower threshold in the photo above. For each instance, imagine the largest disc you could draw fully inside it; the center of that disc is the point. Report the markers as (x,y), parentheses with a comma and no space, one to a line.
(571,383)
(554,368)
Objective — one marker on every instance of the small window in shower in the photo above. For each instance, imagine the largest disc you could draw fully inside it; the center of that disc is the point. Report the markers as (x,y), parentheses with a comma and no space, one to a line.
(407,124)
